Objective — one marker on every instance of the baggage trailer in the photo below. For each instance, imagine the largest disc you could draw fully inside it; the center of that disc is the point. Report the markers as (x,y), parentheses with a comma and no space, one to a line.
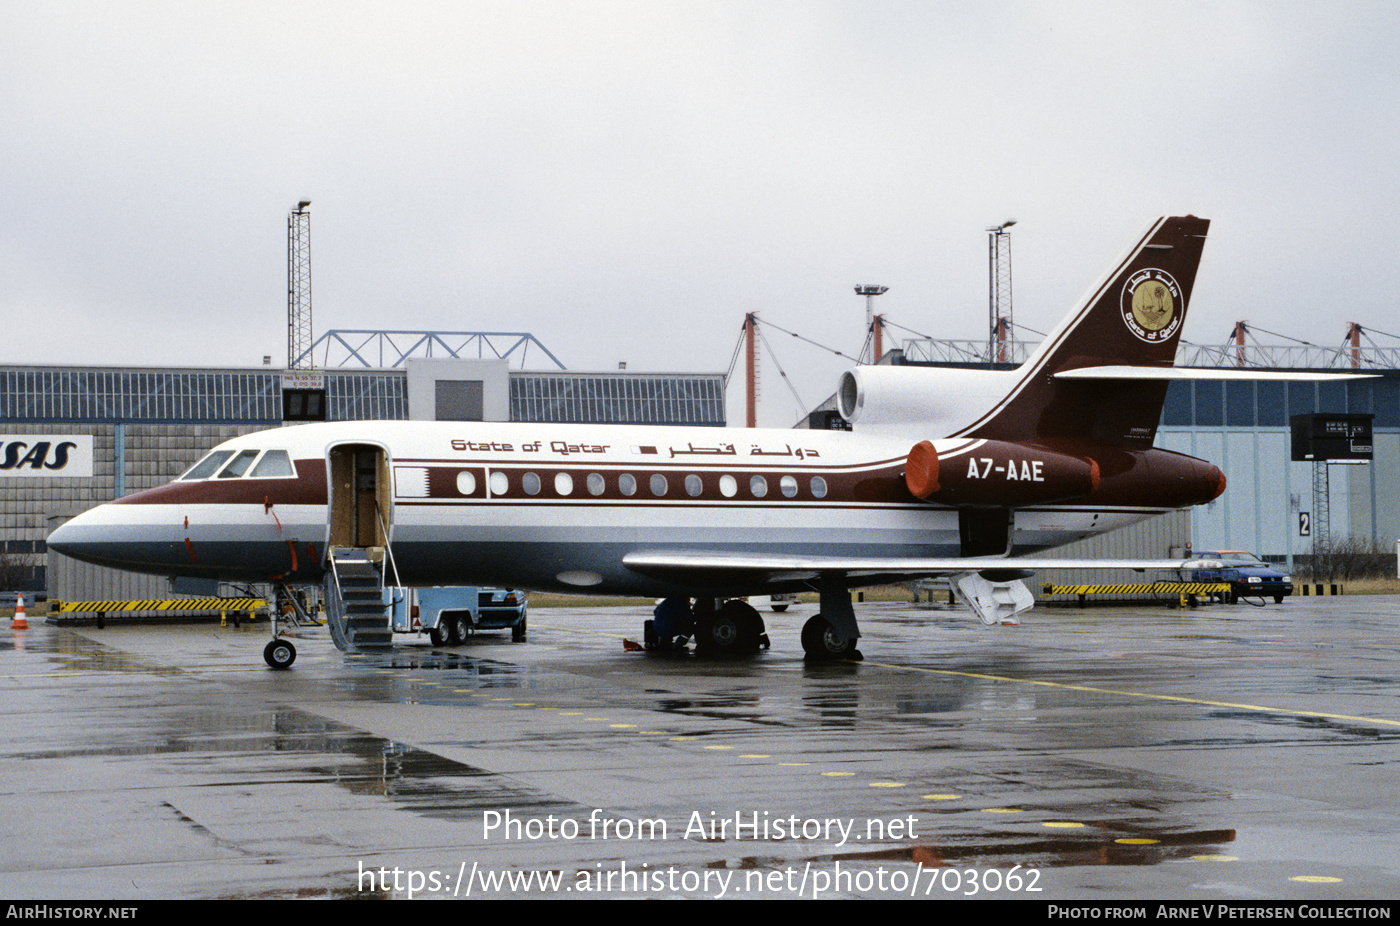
(450,614)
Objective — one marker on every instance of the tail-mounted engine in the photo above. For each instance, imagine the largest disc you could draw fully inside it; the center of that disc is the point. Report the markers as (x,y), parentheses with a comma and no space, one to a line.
(1007,474)
(997,473)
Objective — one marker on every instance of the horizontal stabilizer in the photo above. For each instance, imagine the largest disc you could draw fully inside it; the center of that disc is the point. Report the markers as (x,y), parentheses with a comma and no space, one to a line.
(1200,373)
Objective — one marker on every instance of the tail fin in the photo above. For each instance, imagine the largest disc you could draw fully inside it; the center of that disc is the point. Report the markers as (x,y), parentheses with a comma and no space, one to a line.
(1132,317)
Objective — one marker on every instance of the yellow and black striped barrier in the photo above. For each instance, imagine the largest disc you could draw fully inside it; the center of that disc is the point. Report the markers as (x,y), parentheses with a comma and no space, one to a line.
(1319,588)
(1184,592)
(69,611)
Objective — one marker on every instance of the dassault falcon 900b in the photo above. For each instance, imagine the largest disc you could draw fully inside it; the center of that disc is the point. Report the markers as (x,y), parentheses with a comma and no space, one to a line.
(945,472)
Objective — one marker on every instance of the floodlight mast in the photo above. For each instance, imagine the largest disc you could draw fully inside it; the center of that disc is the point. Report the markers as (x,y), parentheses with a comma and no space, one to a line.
(1000,340)
(299,287)
(870,291)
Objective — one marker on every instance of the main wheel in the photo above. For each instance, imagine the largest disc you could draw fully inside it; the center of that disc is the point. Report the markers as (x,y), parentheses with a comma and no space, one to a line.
(440,635)
(820,640)
(735,628)
(519,633)
(280,653)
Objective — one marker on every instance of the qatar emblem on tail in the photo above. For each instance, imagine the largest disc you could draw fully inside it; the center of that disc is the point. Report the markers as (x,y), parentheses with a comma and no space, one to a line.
(968,474)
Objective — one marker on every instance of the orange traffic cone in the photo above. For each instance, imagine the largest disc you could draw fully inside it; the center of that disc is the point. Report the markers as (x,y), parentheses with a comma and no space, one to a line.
(19,622)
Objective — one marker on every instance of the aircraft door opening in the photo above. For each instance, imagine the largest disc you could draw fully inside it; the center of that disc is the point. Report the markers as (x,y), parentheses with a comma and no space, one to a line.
(361,499)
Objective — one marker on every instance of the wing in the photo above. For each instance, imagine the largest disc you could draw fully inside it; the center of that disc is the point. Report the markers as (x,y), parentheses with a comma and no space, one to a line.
(723,569)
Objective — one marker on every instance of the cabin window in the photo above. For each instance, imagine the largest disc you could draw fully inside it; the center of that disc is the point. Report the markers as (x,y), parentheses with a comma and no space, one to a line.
(500,483)
(788,486)
(758,486)
(597,485)
(818,487)
(658,485)
(274,464)
(627,484)
(466,482)
(728,487)
(694,486)
(206,467)
(239,464)
(530,483)
(564,484)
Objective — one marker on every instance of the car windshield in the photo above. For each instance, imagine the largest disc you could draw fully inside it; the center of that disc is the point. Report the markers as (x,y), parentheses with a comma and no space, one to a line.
(1241,559)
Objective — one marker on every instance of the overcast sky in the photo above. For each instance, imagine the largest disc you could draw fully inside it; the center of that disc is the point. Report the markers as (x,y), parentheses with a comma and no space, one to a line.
(625,180)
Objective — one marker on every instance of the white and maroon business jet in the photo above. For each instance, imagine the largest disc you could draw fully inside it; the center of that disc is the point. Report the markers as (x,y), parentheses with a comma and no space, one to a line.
(946,472)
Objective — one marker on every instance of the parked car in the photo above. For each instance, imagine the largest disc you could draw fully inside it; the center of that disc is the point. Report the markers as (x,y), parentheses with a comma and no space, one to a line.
(1248,575)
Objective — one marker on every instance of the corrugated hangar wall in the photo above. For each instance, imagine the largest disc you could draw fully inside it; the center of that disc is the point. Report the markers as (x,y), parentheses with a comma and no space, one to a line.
(1158,537)
(1266,493)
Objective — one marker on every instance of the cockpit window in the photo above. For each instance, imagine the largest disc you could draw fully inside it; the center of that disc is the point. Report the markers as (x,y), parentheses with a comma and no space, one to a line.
(206,467)
(274,463)
(239,466)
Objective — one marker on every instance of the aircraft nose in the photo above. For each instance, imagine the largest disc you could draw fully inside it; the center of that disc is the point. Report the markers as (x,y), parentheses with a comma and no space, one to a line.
(56,541)
(66,538)
(89,537)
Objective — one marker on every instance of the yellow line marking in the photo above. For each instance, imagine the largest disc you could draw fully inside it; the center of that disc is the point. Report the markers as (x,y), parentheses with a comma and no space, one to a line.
(1002,810)
(1062,824)
(1136,841)
(1215,858)
(1140,694)
(754,755)
(1315,879)
(941,797)
(837,774)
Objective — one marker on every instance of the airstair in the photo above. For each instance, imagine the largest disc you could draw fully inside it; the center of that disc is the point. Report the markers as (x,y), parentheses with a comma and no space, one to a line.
(357,613)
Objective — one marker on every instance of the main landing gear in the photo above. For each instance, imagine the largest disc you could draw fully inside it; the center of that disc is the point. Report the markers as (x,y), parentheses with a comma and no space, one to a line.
(832,634)
(734,628)
(730,628)
(821,641)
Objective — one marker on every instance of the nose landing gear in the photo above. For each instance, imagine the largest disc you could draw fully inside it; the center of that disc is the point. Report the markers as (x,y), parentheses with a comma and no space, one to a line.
(279,653)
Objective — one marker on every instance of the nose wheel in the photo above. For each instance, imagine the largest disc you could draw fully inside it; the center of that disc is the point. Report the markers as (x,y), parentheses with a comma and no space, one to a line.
(279,653)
